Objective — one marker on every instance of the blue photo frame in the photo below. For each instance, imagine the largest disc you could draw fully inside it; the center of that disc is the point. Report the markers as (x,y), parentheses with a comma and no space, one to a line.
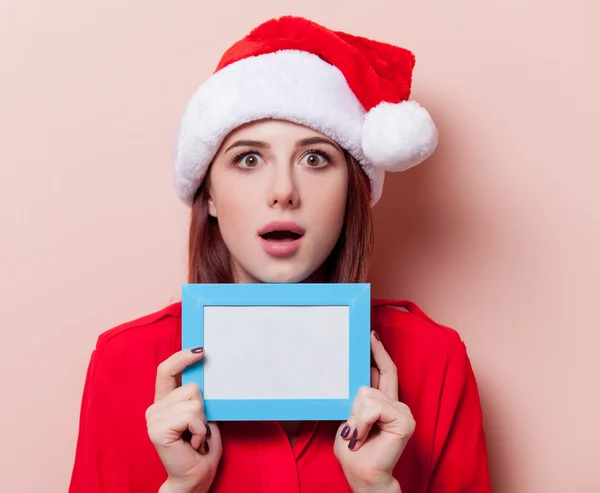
(357,297)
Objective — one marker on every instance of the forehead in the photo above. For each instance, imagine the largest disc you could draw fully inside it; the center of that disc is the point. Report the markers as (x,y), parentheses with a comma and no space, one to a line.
(271,129)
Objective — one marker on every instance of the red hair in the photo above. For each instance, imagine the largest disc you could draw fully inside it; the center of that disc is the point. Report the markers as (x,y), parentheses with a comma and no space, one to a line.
(209,260)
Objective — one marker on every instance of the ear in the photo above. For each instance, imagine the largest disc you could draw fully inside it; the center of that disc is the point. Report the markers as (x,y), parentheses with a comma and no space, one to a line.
(212,208)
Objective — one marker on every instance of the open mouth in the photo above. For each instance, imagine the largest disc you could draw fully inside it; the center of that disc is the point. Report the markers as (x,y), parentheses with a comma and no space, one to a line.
(281,231)
(281,236)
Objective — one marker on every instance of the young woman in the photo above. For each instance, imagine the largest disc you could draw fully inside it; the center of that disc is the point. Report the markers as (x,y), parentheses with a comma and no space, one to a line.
(280,155)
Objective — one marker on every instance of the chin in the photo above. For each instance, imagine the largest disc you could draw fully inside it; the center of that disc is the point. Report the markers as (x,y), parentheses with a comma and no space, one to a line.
(284,274)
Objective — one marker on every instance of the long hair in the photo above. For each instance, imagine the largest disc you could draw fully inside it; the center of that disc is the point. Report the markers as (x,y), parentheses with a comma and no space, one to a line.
(349,261)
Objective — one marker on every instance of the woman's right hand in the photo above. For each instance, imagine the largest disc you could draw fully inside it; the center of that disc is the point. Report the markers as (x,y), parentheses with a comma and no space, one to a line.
(191,464)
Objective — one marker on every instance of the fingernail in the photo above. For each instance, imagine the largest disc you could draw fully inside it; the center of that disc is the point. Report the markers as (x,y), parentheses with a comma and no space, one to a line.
(208,432)
(355,435)
(376,336)
(197,350)
(345,431)
(352,444)
(206,447)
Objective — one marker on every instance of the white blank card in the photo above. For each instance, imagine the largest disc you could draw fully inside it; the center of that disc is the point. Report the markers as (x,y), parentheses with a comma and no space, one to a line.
(276,352)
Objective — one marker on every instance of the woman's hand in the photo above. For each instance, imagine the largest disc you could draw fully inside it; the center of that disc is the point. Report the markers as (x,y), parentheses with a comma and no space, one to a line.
(187,445)
(368,453)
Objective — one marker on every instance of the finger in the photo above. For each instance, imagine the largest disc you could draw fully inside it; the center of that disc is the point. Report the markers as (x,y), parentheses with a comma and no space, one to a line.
(373,407)
(203,446)
(216,447)
(388,373)
(168,370)
(374,378)
(169,425)
(188,392)
(364,414)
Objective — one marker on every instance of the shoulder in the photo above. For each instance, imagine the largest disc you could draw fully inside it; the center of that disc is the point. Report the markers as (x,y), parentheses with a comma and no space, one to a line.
(403,319)
(121,377)
(158,331)
(123,365)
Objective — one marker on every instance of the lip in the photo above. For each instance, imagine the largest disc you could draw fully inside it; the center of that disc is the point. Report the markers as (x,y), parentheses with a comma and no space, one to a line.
(281,248)
(281,226)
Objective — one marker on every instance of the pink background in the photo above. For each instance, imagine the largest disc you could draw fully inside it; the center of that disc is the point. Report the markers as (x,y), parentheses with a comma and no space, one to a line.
(497,235)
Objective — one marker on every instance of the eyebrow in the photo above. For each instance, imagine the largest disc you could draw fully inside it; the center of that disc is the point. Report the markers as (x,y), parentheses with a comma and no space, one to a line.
(300,143)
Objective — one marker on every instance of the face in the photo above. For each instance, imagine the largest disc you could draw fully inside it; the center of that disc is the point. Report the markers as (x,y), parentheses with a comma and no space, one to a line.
(278,191)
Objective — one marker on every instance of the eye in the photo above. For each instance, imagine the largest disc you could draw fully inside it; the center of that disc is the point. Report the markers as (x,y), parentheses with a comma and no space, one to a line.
(317,159)
(247,160)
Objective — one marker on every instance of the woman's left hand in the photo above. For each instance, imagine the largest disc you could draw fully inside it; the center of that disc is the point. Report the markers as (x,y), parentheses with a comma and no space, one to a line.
(370,443)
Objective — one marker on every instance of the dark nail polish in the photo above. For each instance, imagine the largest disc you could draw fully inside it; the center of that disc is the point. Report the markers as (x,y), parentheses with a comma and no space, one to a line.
(355,434)
(208,431)
(376,336)
(206,447)
(352,444)
(186,436)
(345,431)
(197,350)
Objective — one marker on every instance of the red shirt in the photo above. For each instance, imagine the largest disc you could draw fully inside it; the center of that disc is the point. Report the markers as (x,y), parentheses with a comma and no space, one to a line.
(446,454)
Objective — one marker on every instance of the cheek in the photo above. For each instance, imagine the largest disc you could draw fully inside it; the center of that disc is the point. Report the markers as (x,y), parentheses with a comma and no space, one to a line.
(232,200)
(235,221)
(238,205)
(328,199)
(233,212)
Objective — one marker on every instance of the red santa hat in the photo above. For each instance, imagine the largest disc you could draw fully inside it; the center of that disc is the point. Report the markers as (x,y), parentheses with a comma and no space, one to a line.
(352,89)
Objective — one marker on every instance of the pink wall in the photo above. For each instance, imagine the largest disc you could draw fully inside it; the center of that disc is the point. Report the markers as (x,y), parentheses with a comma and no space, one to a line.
(497,235)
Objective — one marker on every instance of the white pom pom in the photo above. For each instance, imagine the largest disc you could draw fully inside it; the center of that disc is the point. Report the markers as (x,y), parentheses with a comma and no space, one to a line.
(396,137)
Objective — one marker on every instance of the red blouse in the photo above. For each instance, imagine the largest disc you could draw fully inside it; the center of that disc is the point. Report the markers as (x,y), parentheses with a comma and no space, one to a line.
(446,454)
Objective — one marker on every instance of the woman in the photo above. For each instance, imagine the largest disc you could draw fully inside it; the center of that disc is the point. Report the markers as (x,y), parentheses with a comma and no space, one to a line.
(295,129)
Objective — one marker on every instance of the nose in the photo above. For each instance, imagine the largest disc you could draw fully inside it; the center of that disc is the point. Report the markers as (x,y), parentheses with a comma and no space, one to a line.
(284,190)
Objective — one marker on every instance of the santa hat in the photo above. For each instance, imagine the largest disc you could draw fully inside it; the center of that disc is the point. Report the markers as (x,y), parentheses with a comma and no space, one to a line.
(352,89)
